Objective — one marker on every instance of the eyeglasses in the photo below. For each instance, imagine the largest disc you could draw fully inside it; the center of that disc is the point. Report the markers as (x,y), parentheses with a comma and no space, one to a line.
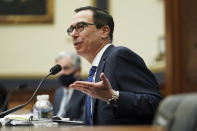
(79,27)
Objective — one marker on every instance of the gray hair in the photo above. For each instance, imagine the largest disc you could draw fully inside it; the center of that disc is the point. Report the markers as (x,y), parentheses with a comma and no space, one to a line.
(76,61)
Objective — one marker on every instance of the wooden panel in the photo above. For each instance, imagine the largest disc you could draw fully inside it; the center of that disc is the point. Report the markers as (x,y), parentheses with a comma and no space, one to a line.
(171,41)
(21,97)
(181,44)
(83,128)
(189,44)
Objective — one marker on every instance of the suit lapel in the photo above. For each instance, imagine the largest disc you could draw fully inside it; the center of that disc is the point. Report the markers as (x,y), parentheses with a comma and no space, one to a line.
(100,70)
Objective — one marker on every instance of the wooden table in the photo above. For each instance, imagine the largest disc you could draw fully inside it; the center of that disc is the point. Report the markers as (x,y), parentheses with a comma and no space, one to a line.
(84,128)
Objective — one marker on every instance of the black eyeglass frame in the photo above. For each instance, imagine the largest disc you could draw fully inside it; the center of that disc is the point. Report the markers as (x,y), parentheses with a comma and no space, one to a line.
(78,28)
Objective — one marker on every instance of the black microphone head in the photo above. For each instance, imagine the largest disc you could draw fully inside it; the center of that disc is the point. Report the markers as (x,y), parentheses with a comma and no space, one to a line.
(55,69)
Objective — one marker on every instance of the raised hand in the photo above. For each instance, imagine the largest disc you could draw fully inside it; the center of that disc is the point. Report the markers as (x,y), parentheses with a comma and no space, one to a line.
(100,90)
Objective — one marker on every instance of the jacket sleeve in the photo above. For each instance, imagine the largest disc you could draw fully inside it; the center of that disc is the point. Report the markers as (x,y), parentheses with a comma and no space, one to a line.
(137,86)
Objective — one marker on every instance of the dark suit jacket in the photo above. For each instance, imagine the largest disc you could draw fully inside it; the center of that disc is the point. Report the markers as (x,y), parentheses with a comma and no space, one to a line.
(139,95)
(75,106)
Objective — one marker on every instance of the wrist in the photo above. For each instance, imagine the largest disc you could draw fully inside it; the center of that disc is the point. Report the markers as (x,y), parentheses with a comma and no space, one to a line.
(114,98)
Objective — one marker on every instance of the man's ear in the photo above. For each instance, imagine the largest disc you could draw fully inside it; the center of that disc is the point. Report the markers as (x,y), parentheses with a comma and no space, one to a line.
(106,31)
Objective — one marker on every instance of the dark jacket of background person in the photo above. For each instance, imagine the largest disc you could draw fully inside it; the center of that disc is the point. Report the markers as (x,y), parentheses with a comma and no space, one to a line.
(75,106)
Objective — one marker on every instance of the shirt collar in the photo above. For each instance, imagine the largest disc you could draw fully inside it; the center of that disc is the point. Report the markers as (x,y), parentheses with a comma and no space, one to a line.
(99,55)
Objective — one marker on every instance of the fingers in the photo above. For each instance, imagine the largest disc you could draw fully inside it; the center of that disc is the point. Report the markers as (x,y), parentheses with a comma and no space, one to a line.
(83,86)
(80,85)
(105,80)
(103,77)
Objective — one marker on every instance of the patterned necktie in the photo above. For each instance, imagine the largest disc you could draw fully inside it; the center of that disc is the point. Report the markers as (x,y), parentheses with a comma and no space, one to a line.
(88,101)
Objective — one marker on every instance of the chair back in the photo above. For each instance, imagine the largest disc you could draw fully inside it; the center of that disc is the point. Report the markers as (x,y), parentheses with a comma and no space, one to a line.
(177,113)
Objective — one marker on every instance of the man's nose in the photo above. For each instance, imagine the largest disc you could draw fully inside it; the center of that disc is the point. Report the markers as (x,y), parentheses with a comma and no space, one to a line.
(74,33)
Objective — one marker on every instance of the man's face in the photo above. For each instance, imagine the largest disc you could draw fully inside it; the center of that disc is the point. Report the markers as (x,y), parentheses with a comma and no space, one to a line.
(67,66)
(86,42)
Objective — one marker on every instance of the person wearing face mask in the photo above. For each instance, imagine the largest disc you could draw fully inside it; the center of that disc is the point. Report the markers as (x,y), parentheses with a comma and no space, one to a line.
(68,103)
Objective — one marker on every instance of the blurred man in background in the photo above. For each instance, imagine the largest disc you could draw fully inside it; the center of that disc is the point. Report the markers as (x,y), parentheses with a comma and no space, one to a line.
(68,103)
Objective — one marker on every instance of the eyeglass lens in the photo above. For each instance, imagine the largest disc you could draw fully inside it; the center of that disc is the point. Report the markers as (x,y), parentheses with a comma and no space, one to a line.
(79,27)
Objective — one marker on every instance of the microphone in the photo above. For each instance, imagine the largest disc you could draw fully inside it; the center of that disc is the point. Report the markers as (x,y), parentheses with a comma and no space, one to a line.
(20,87)
(54,70)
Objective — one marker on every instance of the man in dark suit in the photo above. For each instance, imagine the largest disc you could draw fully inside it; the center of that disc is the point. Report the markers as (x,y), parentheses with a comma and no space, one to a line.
(123,90)
(68,103)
